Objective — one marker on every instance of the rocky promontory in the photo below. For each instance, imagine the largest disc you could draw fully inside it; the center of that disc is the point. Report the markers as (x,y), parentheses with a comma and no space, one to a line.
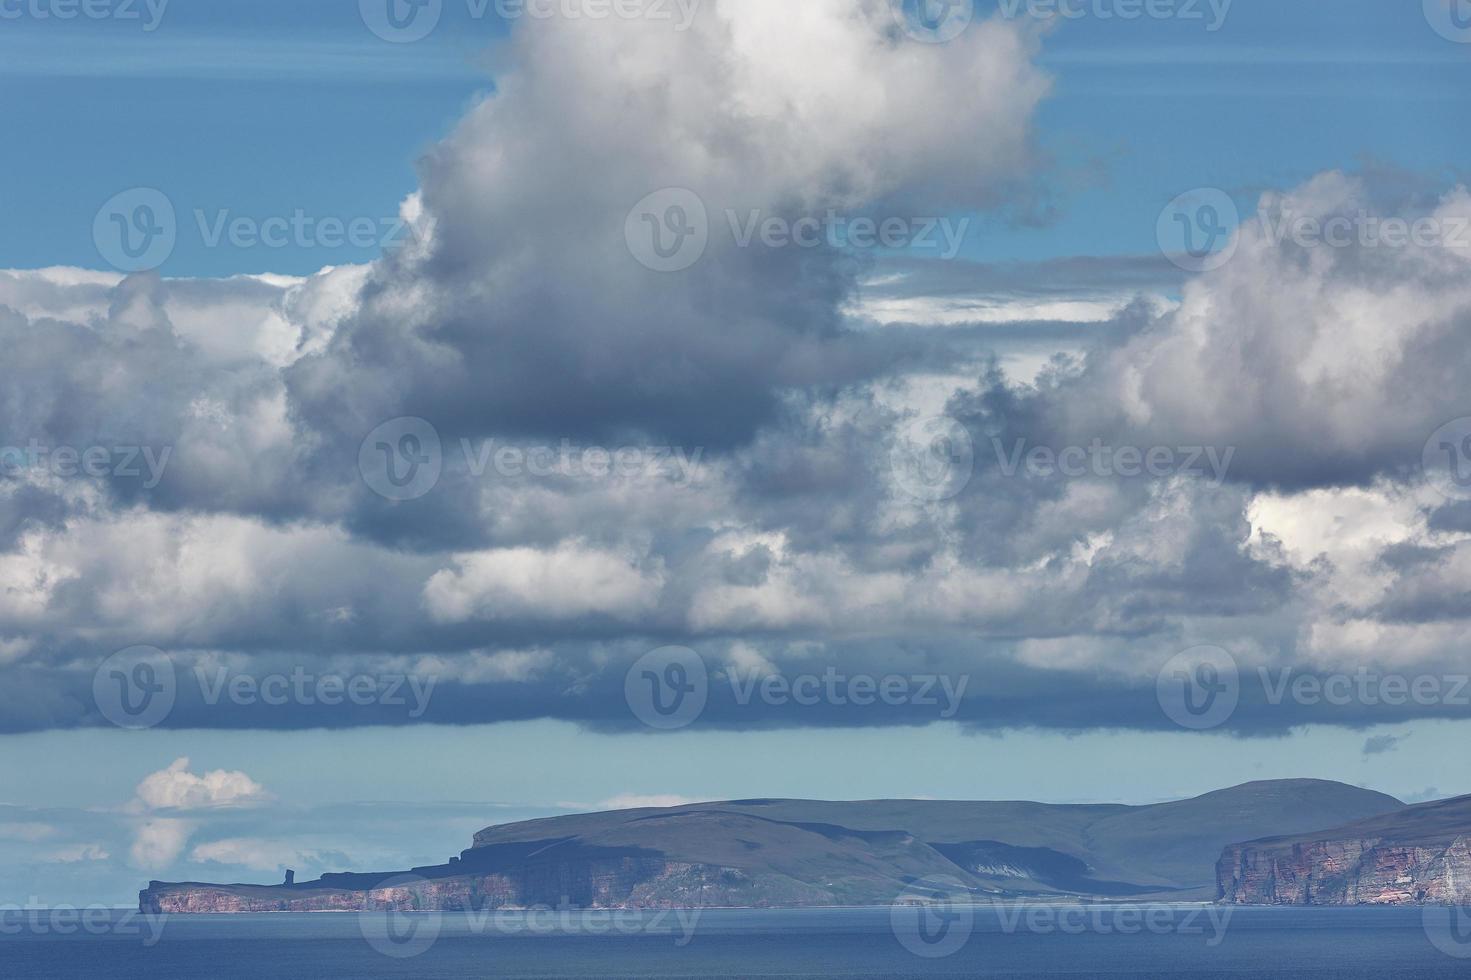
(1418,856)
(627,882)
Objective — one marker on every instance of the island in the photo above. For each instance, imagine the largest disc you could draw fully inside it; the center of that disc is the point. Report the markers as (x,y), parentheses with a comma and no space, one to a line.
(770,853)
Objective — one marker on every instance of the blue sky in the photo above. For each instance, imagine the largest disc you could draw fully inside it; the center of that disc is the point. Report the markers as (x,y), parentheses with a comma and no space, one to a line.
(274,107)
(219,107)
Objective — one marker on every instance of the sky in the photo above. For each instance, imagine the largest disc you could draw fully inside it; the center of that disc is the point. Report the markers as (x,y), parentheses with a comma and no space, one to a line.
(413,433)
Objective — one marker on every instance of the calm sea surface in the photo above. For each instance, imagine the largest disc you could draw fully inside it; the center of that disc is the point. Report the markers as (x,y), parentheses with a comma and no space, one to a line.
(1343,944)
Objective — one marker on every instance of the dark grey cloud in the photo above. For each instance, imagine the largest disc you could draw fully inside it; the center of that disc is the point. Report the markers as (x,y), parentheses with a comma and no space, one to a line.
(1380,744)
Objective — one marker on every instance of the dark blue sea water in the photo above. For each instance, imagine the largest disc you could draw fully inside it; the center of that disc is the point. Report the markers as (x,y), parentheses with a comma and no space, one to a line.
(1342,944)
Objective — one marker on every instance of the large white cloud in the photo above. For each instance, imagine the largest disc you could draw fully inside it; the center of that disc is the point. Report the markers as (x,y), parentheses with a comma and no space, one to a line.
(1323,363)
(519,314)
(521,306)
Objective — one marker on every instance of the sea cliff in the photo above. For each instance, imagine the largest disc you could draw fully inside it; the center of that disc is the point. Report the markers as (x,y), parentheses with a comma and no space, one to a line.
(1418,856)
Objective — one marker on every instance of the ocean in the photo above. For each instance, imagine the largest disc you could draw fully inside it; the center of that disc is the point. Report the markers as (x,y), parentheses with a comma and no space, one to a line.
(1008,942)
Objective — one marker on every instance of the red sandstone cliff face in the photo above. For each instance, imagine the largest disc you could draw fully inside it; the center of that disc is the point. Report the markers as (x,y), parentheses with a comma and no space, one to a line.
(1367,871)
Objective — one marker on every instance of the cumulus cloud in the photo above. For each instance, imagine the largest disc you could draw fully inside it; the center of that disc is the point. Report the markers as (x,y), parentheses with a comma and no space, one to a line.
(158,843)
(486,323)
(1323,364)
(519,314)
(176,788)
(254,853)
(567,582)
(159,840)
